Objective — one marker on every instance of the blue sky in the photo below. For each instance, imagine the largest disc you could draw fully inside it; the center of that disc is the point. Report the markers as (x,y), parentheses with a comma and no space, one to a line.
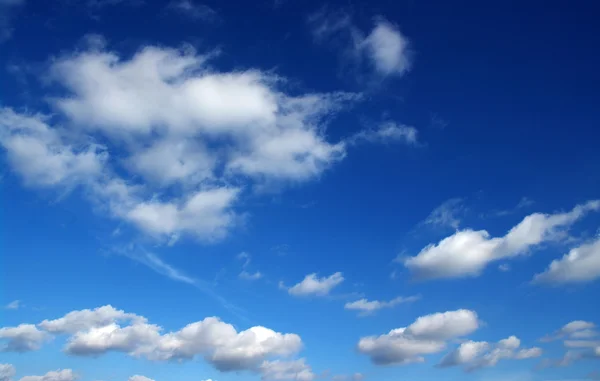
(299,190)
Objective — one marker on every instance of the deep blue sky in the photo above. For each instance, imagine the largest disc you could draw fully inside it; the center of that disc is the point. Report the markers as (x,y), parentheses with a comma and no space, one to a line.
(502,96)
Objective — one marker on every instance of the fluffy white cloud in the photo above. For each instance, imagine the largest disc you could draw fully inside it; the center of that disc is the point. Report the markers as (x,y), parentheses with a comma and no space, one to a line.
(473,355)
(106,329)
(388,49)
(58,375)
(82,320)
(42,156)
(7,371)
(313,285)
(158,139)
(365,306)
(468,252)
(22,338)
(426,335)
(296,370)
(581,264)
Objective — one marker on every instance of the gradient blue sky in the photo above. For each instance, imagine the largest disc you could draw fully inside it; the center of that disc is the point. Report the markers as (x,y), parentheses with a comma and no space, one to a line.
(331,172)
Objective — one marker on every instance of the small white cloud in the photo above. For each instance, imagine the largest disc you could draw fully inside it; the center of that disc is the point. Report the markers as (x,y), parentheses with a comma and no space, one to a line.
(250,276)
(58,375)
(388,49)
(580,265)
(366,307)
(504,267)
(313,285)
(387,132)
(296,370)
(447,214)
(137,377)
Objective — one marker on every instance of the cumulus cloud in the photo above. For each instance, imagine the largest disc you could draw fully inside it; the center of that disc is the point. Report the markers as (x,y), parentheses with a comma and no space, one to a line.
(388,49)
(581,264)
(57,375)
(576,329)
(467,252)
(106,329)
(22,338)
(365,306)
(472,355)
(7,371)
(315,286)
(159,138)
(426,335)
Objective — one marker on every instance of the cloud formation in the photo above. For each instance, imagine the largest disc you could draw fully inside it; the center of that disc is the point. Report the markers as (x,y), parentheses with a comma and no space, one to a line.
(366,307)
(312,285)
(426,335)
(467,252)
(472,355)
(580,265)
(106,329)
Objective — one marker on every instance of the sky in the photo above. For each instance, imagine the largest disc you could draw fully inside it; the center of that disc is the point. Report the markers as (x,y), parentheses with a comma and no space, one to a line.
(299,190)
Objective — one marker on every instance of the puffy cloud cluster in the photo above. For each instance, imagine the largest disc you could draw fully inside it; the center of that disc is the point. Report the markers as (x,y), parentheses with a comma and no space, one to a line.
(315,286)
(473,355)
(22,338)
(426,335)
(167,143)
(106,329)
(366,307)
(467,252)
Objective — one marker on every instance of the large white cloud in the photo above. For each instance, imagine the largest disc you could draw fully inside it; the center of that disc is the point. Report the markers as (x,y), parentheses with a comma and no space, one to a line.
(106,329)
(167,143)
(313,285)
(468,252)
(581,264)
(426,335)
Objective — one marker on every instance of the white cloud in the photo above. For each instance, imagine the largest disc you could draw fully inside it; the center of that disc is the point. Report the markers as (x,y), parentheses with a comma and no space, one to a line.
(365,306)
(468,252)
(388,49)
(7,372)
(22,338)
(159,139)
(313,285)
(473,355)
(105,329)
(14,305)
(576,329)
(137,377)
(58,375)
(426,335)
(387,132)
(580,265)
(385,47)
(580,337)
(296,370)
